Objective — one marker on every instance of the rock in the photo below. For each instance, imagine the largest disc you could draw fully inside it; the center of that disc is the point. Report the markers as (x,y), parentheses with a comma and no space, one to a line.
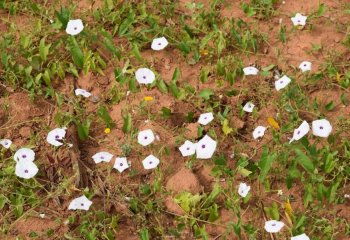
(184,180)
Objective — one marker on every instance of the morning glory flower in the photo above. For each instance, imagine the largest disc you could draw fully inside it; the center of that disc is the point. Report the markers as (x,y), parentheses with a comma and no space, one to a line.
(6,143)
(206,118)
(121,164)
(26,169)
(248,107)
(159,43)
(250,71)
(243,189)
(150,162)
(273,226)
(321,128)
(102,157)
(55,136)
(82,92)
(305,66)
(300,237)
(259,132)
(205,148)
(24,154)
(301,131)
(299,20)
(145,137)
(80,203)
(74,27)
(187,149)
(282,82)
(144,76)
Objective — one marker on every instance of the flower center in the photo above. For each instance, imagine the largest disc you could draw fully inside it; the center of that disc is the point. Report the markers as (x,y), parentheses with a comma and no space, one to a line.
(121,164)
(57,137)
(321,127)
(150,162)
(75,28)
(203,146)
(298,132)
(281,82)
(273,224)
(26,171)
(144,77)
(82,204)
(24,156)
(102,157)
(188,149)
(305,65)
(159,44)
(145,137)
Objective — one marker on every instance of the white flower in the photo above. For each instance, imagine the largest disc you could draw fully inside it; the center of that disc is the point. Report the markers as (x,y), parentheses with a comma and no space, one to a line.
(42,215)
(243,189)
(280,192)
(187,149)
(25,168)
(300,237)
(250,71)
(159,43)
(121,164)
(321,128)
(205,118)
(82,92)
(258,132)
(299,20)
(305,66)
(145,137)
(55,136)
(150,162)
(205,148)
(301,131)
(6,143)
(24,154)
(282,82)
(248,107)
(273,226)
(74,27)
(80,203)
(144,76)
(102,157)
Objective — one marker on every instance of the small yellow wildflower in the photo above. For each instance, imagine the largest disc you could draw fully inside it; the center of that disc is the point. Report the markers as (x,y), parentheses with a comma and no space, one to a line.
(148,98)
(107,130)
(204,52)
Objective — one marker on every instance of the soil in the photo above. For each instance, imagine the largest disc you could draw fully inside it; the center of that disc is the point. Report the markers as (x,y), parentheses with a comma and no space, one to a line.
(22,118)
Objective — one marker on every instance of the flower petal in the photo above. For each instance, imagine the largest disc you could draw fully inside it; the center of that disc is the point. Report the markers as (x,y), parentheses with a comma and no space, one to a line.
(159,43)
(74,27)
(24,154)
(150,162)
(144,76)
(187,149)
(206,118)
(102,157)
(26,169)
(121,164)
(145,137)
(205,148)
(80,203)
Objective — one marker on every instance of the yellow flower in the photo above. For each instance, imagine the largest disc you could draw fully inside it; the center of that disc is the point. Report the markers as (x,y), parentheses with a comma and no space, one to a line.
(107,130)
(273,123)
(148,98)
(204,52)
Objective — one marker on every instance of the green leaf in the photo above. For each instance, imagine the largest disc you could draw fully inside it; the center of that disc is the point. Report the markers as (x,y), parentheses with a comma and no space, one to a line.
(127,123)
(265,163)
(125,25)
(176,74)
(43,49)
(63,16)
(162,86)
(304,161)
(206,93)
(136,52)
(83,130)
(144,235)
(76,53)
(104,115)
